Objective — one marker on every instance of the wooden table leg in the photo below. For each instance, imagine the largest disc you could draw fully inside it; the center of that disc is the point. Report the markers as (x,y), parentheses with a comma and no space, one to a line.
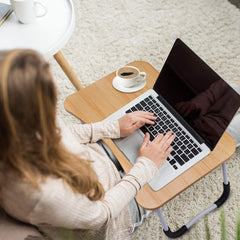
(68,70)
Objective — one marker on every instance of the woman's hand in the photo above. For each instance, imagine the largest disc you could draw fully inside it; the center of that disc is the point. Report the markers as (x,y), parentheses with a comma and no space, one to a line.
(157,150)
(133,121)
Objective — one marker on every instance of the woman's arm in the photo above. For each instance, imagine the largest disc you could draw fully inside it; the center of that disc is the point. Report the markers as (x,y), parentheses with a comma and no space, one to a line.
(59,206)
(93,132)
(112,129)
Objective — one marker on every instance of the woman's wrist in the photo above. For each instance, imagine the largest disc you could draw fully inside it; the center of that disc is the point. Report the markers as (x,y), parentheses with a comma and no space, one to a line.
(142,172)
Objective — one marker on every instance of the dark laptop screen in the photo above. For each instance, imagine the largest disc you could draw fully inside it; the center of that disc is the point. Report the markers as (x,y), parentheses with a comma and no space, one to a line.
(197,93)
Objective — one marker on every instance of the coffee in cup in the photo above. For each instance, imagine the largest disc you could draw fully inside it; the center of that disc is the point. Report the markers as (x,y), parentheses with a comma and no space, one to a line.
(129,76)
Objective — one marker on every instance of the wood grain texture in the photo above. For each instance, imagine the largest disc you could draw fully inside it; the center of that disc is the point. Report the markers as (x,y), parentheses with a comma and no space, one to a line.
(68,70)
(99,100)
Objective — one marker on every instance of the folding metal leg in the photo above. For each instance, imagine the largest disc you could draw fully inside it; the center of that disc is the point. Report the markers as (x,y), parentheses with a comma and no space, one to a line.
(217,204)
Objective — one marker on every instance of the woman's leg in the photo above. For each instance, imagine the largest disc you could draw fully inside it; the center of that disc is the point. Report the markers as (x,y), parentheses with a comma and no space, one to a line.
(138,214)
(234,127)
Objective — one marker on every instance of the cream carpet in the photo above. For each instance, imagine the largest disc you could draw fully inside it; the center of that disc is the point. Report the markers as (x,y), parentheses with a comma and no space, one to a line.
(110,34)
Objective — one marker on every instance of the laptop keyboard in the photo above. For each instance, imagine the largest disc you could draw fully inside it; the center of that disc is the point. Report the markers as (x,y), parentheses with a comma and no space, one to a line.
(4,8)
(184,147)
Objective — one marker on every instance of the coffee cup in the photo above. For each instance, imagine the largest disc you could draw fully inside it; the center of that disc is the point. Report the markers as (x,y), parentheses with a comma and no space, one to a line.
(28,10)
(129,76)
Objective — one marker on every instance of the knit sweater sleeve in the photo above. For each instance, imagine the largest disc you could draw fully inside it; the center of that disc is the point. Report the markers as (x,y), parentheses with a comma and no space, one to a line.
(64,208)
(93,132)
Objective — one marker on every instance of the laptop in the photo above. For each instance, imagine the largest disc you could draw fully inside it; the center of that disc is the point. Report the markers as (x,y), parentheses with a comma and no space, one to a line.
(189,99)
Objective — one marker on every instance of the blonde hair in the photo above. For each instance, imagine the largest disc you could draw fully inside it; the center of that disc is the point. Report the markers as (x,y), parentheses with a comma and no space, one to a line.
(30,141)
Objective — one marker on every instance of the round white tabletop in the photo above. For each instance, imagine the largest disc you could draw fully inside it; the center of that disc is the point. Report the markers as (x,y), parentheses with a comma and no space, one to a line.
(48,34)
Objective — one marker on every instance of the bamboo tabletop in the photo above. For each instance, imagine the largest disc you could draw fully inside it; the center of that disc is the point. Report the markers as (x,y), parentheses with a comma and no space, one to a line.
(100,99)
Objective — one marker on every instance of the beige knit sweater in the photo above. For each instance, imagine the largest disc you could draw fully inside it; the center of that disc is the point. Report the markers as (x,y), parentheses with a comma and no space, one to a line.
(55,207)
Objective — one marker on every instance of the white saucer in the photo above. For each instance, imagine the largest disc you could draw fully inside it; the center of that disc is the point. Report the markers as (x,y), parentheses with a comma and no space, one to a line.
(127,90)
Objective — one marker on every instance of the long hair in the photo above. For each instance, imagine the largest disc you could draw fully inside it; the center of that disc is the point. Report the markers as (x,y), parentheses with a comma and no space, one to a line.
(30,141)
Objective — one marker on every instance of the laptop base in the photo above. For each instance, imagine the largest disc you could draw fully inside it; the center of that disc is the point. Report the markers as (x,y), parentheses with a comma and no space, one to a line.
(181,231)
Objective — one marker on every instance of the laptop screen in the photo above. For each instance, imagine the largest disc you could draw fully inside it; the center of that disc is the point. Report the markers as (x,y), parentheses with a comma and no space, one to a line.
(197,93)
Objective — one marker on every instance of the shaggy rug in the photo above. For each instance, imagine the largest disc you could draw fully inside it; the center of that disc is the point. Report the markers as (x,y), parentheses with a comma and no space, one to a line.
(110,34)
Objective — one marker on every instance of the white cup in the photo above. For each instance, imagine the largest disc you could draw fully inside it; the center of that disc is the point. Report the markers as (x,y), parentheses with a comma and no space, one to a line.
(129,76)
(28,10)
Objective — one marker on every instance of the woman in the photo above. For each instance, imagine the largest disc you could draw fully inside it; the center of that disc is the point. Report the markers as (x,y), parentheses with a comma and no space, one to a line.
(57,177)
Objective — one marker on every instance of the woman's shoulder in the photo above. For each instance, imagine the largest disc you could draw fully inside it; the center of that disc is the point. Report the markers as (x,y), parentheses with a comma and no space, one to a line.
(17,196)
(28,204)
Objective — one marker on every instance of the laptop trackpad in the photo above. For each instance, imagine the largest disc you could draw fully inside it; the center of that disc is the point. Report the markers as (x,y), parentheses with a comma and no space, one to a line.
(130,145)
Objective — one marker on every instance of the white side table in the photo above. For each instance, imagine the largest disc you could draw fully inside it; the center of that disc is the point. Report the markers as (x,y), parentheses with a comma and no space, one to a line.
(47,35)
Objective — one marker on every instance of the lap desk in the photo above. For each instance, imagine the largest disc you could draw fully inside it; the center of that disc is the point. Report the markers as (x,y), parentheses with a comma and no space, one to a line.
(99,100)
